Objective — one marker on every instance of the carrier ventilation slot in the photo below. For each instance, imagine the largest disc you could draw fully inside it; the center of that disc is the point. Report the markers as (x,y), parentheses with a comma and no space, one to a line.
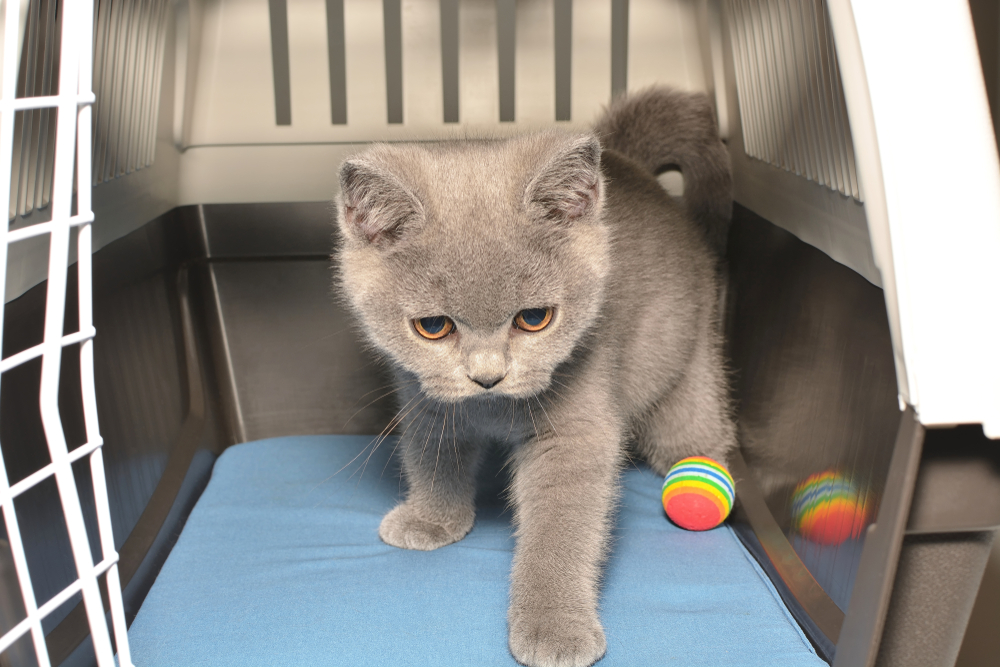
(128,60)
(506,45)
(34,129)
(129,41)
(790,95)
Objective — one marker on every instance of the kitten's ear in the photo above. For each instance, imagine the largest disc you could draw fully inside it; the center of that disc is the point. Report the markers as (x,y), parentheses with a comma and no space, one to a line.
(568,187)
(375,206)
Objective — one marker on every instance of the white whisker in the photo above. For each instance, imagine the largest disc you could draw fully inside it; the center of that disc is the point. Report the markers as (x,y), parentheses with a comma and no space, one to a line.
(532,415)
(428,438)
(410,430)
(360,410)
(438,457)
(388,431)
(547,418)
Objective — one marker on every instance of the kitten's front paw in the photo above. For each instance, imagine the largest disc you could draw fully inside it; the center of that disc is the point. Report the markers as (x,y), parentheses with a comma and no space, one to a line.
(548,638)
(405,528)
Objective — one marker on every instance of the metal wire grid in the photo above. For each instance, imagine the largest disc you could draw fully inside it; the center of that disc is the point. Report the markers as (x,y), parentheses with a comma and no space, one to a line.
(72,136)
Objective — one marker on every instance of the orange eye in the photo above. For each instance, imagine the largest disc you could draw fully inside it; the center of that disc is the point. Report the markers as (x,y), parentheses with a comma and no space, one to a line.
(434,328)
(533,319)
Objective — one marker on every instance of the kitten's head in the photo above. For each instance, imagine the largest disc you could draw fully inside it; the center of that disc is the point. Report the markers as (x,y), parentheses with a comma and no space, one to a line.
(476,266)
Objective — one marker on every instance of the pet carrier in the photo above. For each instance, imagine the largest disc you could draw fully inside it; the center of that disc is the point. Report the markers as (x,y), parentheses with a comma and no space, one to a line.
(237,403)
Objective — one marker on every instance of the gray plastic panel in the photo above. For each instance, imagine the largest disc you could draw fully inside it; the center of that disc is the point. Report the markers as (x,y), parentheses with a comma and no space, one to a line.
(295,359)
(935,588)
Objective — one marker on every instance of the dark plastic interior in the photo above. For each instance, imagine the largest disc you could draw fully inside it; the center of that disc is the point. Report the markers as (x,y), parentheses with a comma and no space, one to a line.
(218,324)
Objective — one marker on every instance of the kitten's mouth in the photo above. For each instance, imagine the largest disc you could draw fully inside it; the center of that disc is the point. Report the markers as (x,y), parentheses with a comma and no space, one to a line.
(477,391)
(488,382)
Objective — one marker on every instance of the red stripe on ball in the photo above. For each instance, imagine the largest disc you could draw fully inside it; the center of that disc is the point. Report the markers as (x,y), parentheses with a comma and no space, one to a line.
(835,524)
(693,511)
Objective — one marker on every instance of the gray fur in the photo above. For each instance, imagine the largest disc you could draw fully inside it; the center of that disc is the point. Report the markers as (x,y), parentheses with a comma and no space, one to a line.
(479,231)
(632,125)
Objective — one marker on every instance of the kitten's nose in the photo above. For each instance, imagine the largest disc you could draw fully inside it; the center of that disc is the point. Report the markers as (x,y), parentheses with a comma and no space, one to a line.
(488,383)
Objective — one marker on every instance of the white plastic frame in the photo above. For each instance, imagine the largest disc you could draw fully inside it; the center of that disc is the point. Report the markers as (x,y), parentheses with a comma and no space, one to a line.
(927,159)
(73,135)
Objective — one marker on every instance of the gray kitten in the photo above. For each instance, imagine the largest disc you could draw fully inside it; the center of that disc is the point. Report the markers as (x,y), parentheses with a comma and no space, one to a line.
(545,293)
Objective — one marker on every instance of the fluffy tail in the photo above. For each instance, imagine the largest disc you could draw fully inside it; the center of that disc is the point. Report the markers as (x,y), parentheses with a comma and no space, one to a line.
(661,128)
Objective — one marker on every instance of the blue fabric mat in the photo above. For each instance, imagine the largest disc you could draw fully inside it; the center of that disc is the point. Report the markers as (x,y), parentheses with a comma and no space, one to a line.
(280,564)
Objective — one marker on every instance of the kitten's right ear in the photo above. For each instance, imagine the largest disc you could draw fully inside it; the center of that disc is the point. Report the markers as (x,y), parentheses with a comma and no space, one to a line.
(375,206)
(568,187)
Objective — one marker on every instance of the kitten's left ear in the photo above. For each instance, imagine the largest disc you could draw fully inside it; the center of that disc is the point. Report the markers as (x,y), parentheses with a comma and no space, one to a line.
(568,187)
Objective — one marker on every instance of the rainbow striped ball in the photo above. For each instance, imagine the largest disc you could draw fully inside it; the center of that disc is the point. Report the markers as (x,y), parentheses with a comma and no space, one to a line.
(829,508)
(698,493)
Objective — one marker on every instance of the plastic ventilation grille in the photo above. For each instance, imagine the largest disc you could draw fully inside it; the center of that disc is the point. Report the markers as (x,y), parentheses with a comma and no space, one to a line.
(128,61)
(34,129)
(128,64)
(791,99)
(68,104)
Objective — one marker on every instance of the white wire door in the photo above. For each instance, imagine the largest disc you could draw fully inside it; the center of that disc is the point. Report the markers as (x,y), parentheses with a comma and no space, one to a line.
(69,216)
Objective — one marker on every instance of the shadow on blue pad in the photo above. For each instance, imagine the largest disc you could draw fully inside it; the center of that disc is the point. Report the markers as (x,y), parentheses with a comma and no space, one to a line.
(280,564)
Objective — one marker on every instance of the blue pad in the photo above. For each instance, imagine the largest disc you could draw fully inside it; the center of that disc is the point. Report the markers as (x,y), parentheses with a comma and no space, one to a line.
(280,564)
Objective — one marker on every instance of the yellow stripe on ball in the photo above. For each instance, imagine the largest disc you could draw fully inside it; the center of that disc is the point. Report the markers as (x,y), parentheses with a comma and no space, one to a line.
(701,488)
(698,493)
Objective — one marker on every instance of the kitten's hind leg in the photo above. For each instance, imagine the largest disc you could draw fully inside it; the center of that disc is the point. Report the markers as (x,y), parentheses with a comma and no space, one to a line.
(440,465)
(694,418)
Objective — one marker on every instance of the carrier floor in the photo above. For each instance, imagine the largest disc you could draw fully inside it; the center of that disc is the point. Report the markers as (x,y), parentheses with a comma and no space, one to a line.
(280,564)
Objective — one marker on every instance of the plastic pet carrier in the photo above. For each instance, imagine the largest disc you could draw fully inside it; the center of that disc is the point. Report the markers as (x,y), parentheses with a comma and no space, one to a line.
(196,445)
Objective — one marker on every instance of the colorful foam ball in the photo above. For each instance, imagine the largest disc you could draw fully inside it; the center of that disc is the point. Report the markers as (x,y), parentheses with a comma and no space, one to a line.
(828,508)
(698,493)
